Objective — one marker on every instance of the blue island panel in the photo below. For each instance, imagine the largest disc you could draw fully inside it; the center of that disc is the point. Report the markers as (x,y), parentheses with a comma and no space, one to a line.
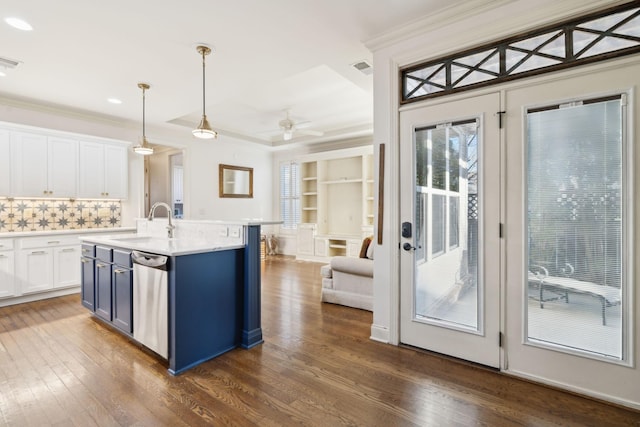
(205,306)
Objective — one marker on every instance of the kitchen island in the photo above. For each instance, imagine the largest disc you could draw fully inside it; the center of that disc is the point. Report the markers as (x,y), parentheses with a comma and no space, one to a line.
(212,287)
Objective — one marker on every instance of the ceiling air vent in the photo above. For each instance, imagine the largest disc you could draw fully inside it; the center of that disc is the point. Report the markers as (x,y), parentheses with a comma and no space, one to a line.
(364,67)
(8,63)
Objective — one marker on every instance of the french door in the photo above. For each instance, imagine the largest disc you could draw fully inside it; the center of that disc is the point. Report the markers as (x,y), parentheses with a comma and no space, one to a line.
(450,213)
(569,318)
(559,283)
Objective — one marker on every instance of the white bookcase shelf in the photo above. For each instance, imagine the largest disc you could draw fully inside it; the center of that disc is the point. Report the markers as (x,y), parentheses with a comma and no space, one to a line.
(337,200)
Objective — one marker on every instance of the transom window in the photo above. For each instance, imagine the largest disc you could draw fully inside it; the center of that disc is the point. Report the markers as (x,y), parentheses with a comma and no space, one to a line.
(595,37)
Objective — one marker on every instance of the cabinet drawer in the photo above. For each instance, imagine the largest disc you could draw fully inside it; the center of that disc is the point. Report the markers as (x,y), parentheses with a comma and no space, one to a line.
(50,241)
(122,258)
(6,244)
(88,251)
(104,254)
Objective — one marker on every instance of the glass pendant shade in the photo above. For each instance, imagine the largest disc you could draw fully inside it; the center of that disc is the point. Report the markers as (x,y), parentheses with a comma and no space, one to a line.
(204,130)
(144,148)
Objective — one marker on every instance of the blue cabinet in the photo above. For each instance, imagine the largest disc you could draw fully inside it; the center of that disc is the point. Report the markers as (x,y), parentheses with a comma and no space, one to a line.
(103,282)
(87,272)
(114,287)
(122,291)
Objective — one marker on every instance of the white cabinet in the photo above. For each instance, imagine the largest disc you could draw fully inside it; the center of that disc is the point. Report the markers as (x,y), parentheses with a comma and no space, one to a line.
(47,263)
(7,287)
(34,270)
(29,168)
(103,171)
(305,241)
(321,247)
(62,171)
(43,166)
(5,163)
(116,171)
(65,266)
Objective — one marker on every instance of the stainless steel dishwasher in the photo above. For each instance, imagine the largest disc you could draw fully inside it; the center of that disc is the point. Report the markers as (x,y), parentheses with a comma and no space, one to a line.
(150,301)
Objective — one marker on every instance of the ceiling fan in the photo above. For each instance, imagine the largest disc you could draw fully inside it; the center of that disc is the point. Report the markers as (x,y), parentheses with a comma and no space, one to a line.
(288,128)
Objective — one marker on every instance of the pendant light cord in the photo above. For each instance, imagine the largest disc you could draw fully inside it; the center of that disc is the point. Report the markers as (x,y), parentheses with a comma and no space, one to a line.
(203,88)
(144,137)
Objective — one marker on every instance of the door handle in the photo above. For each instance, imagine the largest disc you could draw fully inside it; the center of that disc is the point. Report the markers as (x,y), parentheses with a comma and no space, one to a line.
(407,247)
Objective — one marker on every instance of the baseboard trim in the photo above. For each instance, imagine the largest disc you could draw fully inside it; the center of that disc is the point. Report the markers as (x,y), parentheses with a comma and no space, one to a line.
(379,333)
(39,296)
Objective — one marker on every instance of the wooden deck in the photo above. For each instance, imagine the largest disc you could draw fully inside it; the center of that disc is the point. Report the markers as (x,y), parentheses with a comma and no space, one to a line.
(317,367)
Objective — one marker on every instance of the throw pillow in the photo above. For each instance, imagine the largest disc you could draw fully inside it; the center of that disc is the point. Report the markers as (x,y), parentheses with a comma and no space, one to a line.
(364,247)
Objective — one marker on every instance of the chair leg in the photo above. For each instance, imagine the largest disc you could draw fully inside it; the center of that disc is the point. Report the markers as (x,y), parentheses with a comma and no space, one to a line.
(604,317)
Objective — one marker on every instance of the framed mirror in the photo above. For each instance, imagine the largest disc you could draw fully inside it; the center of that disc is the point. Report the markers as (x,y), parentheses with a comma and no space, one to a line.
(235,181)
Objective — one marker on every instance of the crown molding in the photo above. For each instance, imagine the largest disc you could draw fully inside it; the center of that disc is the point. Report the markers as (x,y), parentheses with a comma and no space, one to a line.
(433,21)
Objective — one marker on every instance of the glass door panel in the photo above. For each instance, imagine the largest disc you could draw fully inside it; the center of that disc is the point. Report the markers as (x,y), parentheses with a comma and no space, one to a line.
(446,285)
(574,226)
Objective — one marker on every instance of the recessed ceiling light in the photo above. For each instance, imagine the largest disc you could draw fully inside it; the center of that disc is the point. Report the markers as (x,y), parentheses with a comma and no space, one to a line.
(2,74)
(18,23)
(114,101)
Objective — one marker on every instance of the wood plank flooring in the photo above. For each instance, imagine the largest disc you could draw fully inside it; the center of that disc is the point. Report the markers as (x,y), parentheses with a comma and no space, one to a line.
(60,366)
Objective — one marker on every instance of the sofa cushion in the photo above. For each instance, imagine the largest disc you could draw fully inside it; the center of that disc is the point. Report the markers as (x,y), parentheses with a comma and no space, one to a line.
(325,271)
(359,266)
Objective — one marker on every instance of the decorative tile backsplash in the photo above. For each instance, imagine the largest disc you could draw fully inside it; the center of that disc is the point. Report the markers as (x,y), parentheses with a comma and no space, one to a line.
(62,214)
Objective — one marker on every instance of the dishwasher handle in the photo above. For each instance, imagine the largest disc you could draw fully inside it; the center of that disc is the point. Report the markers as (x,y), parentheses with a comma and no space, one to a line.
(158,262)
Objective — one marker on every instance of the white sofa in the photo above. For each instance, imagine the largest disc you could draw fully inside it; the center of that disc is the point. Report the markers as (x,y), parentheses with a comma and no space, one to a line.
(349,281)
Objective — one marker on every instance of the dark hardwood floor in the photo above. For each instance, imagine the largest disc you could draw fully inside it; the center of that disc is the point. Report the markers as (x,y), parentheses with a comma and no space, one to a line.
(60,366)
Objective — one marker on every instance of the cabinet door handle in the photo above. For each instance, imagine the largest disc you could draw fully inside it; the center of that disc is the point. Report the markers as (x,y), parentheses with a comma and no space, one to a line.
(53,242)
(119,271)
(69,250)
(84,261)
(38,252)
(100,265)
(2,256)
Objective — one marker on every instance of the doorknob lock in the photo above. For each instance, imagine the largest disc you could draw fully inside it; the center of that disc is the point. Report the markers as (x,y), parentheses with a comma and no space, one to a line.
(407,247)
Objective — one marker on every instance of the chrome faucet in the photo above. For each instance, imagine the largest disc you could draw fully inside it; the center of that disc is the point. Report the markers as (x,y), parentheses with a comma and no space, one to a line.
(152,213)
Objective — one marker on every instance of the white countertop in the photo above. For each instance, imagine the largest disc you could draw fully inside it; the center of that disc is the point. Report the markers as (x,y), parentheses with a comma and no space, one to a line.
(157,245)
(11,234)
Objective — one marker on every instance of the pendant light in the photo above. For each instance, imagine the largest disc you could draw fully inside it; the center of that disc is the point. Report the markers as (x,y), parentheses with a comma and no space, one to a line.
(144,148)
(204,130)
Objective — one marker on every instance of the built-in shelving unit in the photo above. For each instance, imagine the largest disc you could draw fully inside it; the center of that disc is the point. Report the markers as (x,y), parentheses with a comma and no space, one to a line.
(337,204)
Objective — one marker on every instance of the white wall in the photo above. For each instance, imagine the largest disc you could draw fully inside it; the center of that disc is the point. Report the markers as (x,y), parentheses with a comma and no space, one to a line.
(201,161)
